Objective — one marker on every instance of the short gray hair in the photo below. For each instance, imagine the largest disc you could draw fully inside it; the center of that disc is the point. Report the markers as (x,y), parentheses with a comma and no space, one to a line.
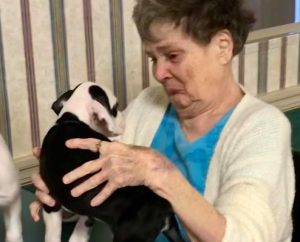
(201,19)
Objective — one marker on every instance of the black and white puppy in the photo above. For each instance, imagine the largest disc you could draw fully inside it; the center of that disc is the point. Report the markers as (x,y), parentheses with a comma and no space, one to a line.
(10,199)
(134,214)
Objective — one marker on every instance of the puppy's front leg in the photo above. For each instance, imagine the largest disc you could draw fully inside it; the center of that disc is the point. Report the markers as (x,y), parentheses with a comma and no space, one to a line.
(12,220)
(82,230)
(53,225)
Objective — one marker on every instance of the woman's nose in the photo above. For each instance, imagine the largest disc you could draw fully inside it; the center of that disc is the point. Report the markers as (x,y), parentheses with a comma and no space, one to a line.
(161,71)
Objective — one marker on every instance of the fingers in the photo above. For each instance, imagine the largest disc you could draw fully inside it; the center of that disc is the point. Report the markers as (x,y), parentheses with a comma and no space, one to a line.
(35,208)
(39,183)
(45,198)
(108,189)
(89,184)
(36,151)
(87,168)
(91,144)
(42,190)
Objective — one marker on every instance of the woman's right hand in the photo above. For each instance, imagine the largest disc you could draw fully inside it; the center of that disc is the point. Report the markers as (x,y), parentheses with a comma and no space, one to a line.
(42,192)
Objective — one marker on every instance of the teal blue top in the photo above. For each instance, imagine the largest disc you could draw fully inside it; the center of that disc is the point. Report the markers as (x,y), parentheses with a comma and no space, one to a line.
(191,158)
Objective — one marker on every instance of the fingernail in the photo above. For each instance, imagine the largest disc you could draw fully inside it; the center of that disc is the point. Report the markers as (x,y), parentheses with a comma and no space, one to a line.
(75,193)
(51,203)
(66,180)
(68,142)
(94,203)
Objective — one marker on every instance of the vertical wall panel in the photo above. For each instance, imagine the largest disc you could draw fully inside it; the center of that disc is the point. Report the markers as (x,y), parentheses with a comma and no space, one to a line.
(102,43)
(16,77)
(292,60)
(133,52)
(145,69)
(74,20)
(262,66)
(152,79)
(241,72)
(299,59)
(283,61)
(89,40)
(30,72)
(235,67)
(4,110)
(274,56)
(43,62)
(118,51)
(251,68)
(59,45)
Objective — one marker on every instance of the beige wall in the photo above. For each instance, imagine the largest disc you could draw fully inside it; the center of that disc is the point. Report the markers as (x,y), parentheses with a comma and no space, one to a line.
(48,46)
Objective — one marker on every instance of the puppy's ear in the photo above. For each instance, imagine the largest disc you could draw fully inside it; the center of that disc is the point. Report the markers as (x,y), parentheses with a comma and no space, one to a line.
(99,95)
(105,118)
(59,103)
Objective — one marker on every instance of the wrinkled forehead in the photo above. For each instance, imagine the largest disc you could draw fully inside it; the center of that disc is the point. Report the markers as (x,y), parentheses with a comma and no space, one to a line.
(154,31)
(165,35)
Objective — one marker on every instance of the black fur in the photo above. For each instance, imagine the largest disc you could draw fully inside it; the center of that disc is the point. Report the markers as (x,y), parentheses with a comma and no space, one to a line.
(59,103)
(134,214)
(98,94)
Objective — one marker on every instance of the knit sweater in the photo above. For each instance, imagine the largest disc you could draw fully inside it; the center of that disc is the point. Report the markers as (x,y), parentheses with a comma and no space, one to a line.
(250,178)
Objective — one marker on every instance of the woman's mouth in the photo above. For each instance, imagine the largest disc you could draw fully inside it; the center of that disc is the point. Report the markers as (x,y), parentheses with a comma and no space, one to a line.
(172,92)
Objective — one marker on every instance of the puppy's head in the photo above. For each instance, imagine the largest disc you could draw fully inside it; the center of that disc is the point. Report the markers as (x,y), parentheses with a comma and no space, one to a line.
(94,105)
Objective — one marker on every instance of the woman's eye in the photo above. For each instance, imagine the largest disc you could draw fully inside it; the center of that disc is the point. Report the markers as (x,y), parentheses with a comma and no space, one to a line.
(173,57)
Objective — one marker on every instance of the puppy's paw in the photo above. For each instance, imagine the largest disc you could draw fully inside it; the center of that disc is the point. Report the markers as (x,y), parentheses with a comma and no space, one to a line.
(14,238)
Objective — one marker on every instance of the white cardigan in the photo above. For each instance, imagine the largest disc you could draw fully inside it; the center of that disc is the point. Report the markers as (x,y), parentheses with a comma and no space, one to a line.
(251,176)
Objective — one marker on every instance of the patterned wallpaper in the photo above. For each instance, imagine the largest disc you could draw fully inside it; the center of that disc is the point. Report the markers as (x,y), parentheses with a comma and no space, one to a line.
(49,46)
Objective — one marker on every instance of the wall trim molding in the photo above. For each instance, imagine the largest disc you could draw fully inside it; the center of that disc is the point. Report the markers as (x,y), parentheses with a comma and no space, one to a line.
(26,165)
(285,99)
(273,32)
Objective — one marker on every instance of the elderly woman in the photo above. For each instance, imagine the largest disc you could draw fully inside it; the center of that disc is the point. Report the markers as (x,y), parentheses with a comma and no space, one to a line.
(220,156)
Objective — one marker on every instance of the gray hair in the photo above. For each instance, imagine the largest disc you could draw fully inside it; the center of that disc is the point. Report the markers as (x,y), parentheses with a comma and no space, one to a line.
(201,19)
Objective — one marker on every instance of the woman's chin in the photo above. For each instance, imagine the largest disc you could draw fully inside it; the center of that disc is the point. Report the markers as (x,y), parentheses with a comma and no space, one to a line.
(180,101)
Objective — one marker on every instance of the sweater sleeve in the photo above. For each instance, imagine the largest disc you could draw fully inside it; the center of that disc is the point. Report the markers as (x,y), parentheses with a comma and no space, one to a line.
(257,179)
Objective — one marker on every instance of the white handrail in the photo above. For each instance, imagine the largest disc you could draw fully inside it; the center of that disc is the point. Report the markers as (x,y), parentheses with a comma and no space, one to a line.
(273,32)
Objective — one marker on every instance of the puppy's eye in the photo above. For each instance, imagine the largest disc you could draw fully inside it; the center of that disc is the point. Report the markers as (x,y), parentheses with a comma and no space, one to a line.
(114,110)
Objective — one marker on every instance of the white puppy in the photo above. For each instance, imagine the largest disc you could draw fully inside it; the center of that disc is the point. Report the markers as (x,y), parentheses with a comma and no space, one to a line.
(10,200)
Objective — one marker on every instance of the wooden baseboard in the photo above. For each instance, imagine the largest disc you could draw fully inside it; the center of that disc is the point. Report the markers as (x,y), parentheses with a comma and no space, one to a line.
(26,165)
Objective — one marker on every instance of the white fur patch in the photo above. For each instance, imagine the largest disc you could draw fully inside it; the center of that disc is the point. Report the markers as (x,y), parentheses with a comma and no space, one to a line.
(53,223)
(92,112)
(81,231)
(10,200)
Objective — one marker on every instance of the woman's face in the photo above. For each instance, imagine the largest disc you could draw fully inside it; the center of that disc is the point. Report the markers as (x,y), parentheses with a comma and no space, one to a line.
(189,72)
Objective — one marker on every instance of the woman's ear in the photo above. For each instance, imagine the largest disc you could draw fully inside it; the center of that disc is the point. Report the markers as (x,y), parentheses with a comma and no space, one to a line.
(224,43)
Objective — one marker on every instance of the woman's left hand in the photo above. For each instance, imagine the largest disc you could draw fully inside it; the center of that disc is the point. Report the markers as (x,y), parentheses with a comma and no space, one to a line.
(119,164)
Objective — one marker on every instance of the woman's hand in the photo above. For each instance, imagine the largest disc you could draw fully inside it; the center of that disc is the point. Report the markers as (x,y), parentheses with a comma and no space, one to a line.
(42,192)
(119,164)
